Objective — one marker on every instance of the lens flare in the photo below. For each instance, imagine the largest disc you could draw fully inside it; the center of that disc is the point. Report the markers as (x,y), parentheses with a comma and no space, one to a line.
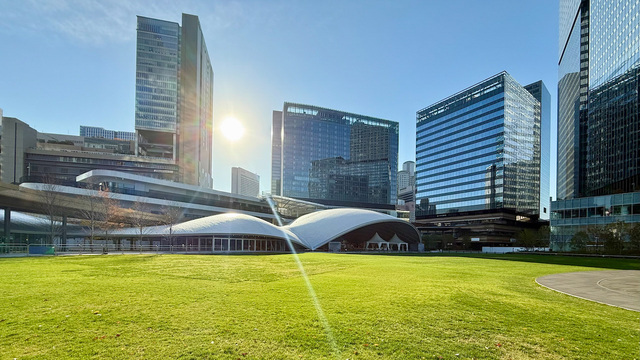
(232,129)
(312,292)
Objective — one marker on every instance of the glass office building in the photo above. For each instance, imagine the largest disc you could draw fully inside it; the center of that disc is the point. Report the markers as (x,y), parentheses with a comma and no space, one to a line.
(157,69)
(100,132)
(598,90)
(276,153)
(578,214)
(174,96)
(598,116)
(480,149)
(540,92)
(342,145)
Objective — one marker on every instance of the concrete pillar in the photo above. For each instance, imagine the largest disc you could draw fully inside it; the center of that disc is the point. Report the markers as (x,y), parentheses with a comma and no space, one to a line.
(64,232)
(7,223)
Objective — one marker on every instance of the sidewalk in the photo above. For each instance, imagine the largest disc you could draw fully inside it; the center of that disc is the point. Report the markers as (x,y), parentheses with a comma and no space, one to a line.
(619,288)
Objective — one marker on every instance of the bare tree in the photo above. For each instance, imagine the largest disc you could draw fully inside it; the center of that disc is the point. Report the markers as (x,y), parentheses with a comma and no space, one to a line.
(140,218)
(171,215)
(92,215)
(111,216)
(53,203)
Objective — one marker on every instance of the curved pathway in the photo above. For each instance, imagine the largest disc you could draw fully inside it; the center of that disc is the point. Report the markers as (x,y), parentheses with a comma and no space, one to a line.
(619,288)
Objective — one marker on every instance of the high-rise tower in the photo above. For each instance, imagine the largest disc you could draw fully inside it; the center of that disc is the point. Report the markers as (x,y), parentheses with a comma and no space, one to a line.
(598,118)
(480,150)
(334,157)
(598,97)
(174,96)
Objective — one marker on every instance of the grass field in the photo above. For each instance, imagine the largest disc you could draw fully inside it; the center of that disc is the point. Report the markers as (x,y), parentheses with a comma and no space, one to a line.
(259,307)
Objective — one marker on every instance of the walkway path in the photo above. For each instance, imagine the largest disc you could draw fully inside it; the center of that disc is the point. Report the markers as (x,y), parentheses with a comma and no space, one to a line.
(619,288)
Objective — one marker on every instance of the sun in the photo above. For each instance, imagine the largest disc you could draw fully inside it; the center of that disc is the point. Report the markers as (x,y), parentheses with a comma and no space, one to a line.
(232,129)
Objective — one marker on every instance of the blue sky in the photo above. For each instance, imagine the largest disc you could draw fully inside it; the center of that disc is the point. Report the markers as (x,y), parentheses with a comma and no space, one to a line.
(66,63)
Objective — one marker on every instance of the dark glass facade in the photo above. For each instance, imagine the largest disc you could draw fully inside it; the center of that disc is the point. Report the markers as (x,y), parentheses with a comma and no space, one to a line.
(364,181)
(598,87)
(573,215)
(479,149)
(314,134)
(540,92)
(65,166)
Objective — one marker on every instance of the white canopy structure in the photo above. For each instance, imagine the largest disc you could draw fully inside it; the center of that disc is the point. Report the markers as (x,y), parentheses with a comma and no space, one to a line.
(395,240)
(221,224)
(310,231)
(319,228)
(379,242)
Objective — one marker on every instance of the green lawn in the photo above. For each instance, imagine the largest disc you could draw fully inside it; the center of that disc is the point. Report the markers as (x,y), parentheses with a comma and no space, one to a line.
(258,307)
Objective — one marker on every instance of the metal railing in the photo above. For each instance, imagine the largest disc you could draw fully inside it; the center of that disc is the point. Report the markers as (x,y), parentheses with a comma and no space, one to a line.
(20,249)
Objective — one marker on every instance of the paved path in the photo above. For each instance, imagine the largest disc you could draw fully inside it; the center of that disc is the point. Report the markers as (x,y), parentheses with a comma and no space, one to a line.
(619,288)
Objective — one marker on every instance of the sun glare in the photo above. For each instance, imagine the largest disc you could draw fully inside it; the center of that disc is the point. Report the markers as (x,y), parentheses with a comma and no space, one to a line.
(232,129)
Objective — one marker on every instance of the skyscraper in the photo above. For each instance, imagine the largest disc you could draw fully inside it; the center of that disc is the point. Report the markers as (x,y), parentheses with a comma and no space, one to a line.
(540,92)
(276,153)
(332,156)
(598,118)
(244,182)
(174,96)
(598,91)
(480,150)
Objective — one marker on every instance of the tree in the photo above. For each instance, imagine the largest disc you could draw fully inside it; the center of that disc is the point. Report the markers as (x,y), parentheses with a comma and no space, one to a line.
(171,215)
(91,216)
(614,243)
(140,218)
(633,232)
(527,238)
(579,241)
(597,234)
(53,203)
(544,235)
(610,236)
(111,217)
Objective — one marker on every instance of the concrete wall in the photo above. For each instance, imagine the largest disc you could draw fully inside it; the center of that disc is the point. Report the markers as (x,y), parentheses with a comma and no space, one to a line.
(15,139)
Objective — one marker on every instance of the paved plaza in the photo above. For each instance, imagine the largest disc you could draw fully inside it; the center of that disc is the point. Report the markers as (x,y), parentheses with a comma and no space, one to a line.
(619,288)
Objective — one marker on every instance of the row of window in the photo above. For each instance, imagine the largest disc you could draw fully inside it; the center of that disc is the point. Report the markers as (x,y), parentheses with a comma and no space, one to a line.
(156,104)
(148,55)
(493,135)
(425,121)
(158,44)
(171,65)
(450,124)
(157,84)
(158,29)
(482,123)
(156,77)
(460,173)
(153,110)
(486,146)
(155,90)
(147,96)
(157,37)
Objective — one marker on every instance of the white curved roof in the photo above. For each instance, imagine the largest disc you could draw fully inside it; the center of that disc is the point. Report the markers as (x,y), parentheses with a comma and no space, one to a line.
(311,231)
(320,227)
(221,224)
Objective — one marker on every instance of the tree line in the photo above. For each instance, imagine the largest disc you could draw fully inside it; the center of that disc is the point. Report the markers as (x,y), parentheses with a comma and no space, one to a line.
(616,238)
